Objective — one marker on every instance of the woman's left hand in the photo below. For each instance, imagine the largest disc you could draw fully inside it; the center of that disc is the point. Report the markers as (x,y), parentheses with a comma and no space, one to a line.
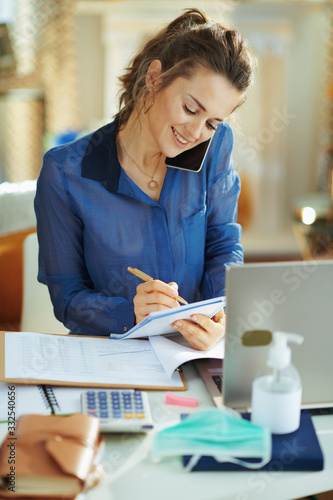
(204,332)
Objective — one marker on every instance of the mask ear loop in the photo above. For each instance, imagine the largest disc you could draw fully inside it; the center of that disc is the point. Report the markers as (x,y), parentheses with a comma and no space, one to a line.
(249,465)
(192,462)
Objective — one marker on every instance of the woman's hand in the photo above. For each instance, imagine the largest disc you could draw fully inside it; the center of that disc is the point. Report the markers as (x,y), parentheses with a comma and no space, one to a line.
(204,332)
(153,296)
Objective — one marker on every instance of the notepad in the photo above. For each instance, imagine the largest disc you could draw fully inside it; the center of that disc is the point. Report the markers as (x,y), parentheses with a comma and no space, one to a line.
(159,322)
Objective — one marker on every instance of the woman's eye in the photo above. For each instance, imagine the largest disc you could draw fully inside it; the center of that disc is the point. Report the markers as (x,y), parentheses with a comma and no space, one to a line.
(211,127)
(189,111)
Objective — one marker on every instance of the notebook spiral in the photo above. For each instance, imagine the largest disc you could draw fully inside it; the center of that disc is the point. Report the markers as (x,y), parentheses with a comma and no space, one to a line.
(49,398)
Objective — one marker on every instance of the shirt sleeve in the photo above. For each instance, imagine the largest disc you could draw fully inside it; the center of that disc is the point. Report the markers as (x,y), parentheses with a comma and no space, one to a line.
(62,264)
(223,233)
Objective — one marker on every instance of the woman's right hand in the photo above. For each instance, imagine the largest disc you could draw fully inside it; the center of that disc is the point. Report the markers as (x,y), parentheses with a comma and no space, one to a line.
(154,295)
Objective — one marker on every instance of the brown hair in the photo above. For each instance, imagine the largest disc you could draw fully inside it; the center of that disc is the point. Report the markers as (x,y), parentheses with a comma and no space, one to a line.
(189,40)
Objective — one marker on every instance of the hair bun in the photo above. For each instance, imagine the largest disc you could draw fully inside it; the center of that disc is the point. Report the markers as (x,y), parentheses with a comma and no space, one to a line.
(188,20)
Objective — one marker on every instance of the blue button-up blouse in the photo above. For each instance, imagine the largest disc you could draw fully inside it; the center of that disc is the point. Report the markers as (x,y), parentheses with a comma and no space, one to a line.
(93,222)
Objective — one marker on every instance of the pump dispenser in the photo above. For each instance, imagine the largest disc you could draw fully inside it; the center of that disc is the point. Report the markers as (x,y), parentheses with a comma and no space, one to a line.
(277,388)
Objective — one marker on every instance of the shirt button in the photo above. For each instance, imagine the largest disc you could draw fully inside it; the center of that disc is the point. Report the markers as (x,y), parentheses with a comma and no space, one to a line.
(125,329)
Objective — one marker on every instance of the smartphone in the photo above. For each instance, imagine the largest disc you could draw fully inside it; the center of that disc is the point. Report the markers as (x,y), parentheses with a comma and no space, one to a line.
(191,159)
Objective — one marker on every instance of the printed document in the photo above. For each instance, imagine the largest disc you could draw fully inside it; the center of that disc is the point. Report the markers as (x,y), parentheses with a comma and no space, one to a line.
(65,358)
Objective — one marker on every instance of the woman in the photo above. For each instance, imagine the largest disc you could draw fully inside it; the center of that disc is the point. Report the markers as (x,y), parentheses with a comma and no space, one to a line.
(108,201)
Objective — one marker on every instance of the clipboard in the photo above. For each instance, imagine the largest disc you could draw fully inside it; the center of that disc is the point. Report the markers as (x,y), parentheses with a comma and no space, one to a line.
(78,383)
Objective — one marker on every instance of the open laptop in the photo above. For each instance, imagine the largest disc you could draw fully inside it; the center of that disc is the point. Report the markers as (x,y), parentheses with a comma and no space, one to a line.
(295,297)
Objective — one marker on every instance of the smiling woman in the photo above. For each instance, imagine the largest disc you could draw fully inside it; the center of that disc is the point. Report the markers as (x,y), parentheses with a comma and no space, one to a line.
(108,201)
(191,108)
(184,115)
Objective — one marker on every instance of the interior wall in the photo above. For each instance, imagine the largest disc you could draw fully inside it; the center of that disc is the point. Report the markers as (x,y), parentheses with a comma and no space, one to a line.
(302,31)
(91,69)
(306,67)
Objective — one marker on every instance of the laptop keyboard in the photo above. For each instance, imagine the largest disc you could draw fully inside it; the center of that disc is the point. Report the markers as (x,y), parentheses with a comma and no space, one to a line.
(218,381)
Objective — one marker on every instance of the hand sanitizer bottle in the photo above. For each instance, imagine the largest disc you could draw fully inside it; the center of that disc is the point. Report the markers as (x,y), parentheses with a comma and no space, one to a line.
(277,388)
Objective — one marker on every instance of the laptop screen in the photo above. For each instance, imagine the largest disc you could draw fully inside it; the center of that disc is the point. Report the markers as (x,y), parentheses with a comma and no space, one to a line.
(295,297)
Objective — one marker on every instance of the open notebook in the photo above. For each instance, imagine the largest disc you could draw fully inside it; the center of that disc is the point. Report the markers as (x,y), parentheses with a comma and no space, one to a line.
(40,399)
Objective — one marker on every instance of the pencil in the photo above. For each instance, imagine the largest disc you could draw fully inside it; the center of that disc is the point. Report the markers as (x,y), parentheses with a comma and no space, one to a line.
(144,277)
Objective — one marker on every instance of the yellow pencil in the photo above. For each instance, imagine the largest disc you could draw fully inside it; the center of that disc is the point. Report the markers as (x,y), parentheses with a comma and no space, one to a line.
(144,277)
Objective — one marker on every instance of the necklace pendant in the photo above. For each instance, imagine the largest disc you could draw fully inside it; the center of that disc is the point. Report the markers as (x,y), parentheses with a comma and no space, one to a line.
(152,184)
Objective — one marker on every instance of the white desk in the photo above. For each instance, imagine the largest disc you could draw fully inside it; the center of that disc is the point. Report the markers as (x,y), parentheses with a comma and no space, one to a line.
(131,474)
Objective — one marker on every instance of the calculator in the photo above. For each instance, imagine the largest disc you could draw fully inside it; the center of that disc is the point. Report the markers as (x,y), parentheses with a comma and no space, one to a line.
(118,410)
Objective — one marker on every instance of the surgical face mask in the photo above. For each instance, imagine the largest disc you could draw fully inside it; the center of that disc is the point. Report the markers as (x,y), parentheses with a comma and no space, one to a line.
(219,433)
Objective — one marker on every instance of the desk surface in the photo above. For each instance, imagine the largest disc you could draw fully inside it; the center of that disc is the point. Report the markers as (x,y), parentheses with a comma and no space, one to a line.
(132,474)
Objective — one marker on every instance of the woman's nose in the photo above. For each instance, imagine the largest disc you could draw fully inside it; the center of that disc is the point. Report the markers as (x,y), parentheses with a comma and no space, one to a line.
(195,129)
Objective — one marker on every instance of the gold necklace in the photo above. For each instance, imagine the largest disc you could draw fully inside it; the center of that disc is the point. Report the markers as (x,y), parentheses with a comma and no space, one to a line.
(152,184)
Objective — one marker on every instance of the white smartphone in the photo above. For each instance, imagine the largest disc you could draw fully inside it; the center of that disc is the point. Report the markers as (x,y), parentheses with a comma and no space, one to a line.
(191,159)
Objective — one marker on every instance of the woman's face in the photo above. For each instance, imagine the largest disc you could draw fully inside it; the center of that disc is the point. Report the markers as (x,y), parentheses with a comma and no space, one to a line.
(188,111)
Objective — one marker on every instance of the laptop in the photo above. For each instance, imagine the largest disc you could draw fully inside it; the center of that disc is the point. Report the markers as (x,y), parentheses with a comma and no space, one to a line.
(295,297)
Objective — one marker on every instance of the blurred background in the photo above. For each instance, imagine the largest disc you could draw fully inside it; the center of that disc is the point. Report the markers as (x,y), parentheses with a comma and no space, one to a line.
(59,64)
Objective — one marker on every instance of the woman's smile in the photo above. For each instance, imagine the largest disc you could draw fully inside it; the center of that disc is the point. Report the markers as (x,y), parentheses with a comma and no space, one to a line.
(184,142)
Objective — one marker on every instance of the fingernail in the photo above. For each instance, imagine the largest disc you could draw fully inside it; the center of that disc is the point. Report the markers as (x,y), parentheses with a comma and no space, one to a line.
(177,325)
(195,318)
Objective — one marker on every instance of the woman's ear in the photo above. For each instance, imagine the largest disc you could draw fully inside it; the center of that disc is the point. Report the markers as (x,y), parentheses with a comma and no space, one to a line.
(153,73)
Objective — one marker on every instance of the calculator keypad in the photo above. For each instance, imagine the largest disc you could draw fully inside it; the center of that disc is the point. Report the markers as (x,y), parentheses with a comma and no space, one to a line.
(118,410)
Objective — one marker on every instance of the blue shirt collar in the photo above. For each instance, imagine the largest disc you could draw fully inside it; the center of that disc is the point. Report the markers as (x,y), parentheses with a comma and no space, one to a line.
(100,160)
